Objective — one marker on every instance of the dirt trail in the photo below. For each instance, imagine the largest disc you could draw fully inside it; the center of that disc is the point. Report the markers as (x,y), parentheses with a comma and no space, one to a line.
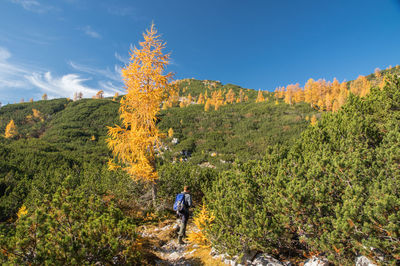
(163,241)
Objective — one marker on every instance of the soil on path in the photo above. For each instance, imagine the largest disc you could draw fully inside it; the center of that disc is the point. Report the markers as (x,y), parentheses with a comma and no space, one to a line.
(163,242)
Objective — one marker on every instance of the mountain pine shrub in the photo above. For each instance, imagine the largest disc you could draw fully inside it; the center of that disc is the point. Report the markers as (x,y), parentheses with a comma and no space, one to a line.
(335,192)
(72,229)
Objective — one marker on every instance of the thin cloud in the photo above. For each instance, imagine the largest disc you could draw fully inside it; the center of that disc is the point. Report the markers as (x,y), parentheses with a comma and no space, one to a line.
(10,73)
(65,85)
(33,6)
(110,87)
(18,79)
(121,58)
(113,75)
(125,12)
(4,54)
(90,32)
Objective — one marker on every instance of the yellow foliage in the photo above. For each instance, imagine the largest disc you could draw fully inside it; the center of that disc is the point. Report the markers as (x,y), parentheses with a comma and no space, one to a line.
(230,96)
(170,132)
(37,114)
(200,100)
(22,211)
(207,105)
(360,86)
(202,220)
(11,130)
(93,138)
(133,144)
(313,120)
(260,97)
(115,96)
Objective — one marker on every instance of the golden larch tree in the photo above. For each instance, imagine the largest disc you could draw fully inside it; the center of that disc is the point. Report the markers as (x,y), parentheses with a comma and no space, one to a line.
(230,96)
(170,132)
(11,130)
(115,96)
(260,97)
(133,144)
(200,100)
(207,105)
(313,120)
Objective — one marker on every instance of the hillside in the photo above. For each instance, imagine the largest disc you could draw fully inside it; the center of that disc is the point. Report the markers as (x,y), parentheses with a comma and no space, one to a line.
(56,165)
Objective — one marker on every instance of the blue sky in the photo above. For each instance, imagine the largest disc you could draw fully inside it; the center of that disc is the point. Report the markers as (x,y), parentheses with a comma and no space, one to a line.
(60,47)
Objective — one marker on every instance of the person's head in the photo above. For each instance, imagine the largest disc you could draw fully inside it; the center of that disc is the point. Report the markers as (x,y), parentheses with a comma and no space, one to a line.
(186,188)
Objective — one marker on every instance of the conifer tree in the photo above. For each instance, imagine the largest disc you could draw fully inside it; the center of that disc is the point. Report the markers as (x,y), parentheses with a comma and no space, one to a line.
(260,97)
(241,96)
(200,100)
(207,105)
(313,120)
(115,96)
(11,130)
(189,100)
(230,96)
(170,132)
(133,144)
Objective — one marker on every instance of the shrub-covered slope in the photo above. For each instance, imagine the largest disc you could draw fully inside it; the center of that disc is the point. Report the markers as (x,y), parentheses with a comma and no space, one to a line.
(335,192)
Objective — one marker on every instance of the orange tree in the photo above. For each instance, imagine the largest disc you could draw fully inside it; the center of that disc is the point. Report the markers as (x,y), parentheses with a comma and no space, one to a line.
(134,143)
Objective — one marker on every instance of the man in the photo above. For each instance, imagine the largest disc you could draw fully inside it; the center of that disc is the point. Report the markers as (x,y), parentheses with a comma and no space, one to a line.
(184,214)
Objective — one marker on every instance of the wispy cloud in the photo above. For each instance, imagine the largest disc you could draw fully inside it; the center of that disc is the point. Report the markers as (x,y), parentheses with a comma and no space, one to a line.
(4,54)
(114,75)
(110,87)
(26,37)
(33,5)
(65,85)
(90,32)
(124,11)
(18,79)
(10,74)
(121,58)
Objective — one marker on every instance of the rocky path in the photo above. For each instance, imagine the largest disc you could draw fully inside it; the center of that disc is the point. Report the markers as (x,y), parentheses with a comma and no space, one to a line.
(165,245)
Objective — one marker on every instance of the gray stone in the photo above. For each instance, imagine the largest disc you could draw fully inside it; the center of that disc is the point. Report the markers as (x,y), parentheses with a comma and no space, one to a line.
(213,252)
(248,257)
(265,260)
(317,261)
(364,261)
(174,256)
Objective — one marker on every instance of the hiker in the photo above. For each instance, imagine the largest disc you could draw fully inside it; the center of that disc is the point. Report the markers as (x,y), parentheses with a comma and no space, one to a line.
(182,204)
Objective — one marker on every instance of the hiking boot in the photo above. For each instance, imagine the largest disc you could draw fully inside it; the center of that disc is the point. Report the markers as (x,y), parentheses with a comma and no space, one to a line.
(180,241)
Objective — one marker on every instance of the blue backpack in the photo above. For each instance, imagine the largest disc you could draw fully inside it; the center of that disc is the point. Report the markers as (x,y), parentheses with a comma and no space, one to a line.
(179,204)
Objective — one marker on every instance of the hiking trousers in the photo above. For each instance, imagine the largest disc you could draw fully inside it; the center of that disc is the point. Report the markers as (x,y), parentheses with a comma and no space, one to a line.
(182,228)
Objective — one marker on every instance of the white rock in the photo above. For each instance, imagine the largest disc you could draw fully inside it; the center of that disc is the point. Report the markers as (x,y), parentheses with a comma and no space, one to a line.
(265,260)
(364,261)
(213,252)
(316,261)
(174,256)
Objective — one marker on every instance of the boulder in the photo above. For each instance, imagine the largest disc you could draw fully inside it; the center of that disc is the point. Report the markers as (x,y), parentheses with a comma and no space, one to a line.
(265,260)
(317,261)
(364,261)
